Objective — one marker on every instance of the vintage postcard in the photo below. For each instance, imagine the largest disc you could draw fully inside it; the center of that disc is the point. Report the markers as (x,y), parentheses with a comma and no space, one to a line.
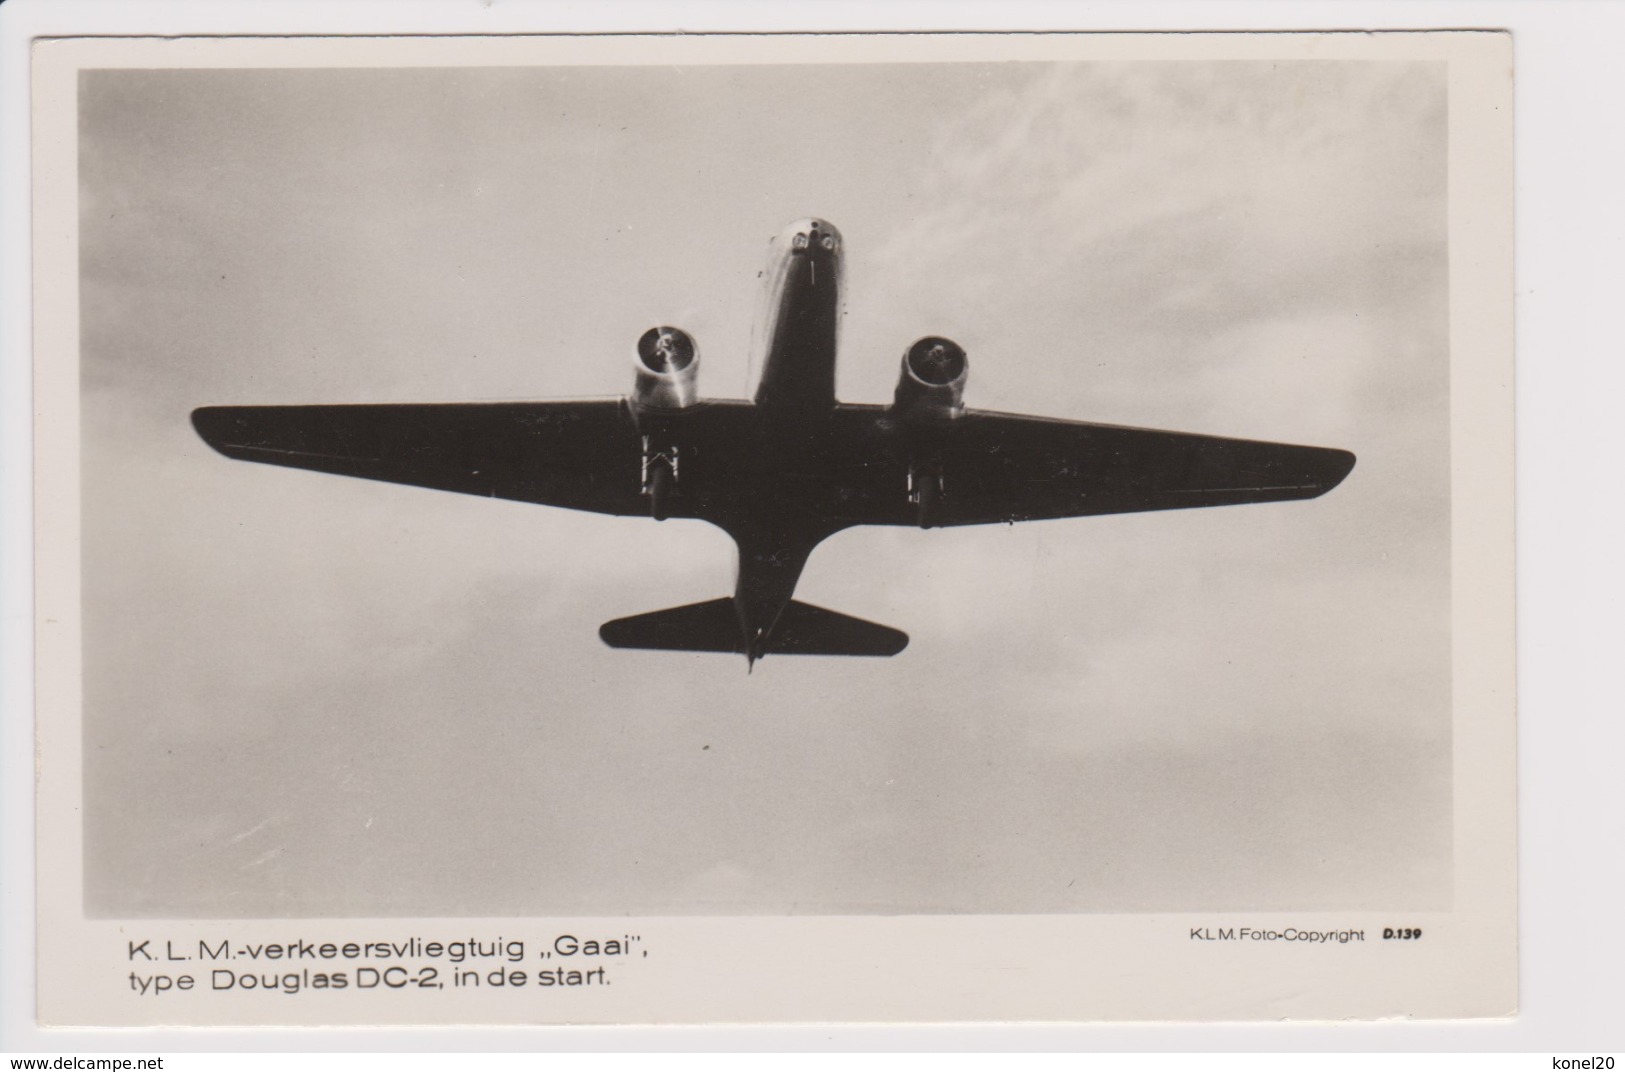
(728,528)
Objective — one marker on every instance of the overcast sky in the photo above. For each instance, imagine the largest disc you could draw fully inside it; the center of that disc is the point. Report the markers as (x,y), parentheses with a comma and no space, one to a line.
(307,695)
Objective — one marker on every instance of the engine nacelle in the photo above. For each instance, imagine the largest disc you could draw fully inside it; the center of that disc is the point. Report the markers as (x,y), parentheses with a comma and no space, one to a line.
(668,366)
(933,380)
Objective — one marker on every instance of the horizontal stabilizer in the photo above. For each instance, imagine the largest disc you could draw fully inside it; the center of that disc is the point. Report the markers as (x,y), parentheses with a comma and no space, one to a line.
(708,626)
(802,629)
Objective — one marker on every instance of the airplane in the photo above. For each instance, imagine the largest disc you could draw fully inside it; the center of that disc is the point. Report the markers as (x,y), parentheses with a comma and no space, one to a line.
(783,471)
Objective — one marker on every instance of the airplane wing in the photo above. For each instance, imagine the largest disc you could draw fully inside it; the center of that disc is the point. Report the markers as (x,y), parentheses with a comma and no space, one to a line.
(999,467)
(586,455)
(581,454)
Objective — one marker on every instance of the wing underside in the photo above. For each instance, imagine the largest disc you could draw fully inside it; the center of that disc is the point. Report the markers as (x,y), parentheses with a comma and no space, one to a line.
(858,469)
(997,467)
(581,454)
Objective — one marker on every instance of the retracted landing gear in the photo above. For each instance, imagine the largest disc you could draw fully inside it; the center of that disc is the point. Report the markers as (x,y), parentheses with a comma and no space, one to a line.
(924,491)
(659,475)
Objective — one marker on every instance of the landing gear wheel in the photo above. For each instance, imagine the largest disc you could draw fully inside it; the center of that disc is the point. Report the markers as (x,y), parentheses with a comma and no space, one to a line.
(661,483)
(929,488)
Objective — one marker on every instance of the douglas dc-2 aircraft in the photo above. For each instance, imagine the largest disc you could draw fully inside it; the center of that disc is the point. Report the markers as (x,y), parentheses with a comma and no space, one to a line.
(781,472)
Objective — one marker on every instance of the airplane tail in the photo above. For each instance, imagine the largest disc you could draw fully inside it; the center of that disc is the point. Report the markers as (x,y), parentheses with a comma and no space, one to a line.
(802,629)
(708,626)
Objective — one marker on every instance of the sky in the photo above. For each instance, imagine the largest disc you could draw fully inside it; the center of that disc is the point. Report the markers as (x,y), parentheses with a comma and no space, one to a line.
(312,696)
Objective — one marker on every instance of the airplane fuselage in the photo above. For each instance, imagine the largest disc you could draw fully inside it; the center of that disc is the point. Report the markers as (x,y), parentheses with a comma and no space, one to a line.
(798,371)
(780,524)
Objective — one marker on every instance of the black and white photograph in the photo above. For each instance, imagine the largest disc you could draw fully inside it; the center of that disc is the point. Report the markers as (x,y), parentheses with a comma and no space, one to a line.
(768,484)
(341,698)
